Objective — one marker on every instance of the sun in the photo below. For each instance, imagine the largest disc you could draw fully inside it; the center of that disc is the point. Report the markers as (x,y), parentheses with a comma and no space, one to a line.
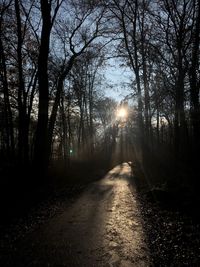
(122,113)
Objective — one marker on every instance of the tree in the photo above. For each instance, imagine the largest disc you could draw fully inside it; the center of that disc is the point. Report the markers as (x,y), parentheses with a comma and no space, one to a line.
(195,79)
(86,16)
(8,136)
(41,138)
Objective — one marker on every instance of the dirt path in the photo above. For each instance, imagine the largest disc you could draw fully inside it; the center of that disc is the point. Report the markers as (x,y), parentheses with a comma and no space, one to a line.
(101,228)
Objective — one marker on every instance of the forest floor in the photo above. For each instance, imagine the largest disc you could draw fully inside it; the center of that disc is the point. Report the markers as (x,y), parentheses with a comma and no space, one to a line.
(105,223)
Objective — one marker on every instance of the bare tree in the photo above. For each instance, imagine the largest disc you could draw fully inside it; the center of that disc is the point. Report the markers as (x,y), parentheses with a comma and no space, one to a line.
(89,25)
(41,139)
(8,116)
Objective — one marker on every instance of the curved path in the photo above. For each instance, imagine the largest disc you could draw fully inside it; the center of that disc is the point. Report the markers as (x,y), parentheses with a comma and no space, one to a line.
(101,228)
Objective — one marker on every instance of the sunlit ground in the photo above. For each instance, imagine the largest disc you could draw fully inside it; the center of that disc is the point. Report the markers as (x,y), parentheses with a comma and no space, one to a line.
(125,236)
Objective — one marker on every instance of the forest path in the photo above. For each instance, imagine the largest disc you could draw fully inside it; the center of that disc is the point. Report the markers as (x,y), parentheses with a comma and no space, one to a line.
(103,227)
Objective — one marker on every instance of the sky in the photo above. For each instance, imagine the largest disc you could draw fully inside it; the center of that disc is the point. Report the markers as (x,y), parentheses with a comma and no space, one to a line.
(118,77)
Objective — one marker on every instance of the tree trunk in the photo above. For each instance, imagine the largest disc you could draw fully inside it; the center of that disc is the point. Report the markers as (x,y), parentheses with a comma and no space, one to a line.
(180,121)
(59,89)
(145,80)
(194,85)
(41,138)
(7,108)
(23,127)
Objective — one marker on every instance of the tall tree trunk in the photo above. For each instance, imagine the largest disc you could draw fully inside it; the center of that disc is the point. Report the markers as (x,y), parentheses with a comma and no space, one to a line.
(59,90)
(157,125)
(7,107)
(145,78)
(65,130)
(180,121)
(41,138)
(133,58)
(53,116)
(23,127)
(91,104)
(69,125)
(146,99)
(195,83)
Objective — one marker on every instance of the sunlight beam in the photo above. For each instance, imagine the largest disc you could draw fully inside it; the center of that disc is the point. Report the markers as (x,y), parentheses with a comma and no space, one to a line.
(122,113)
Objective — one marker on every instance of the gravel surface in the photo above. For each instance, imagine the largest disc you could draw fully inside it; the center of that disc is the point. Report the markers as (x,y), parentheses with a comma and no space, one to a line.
(173,236)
